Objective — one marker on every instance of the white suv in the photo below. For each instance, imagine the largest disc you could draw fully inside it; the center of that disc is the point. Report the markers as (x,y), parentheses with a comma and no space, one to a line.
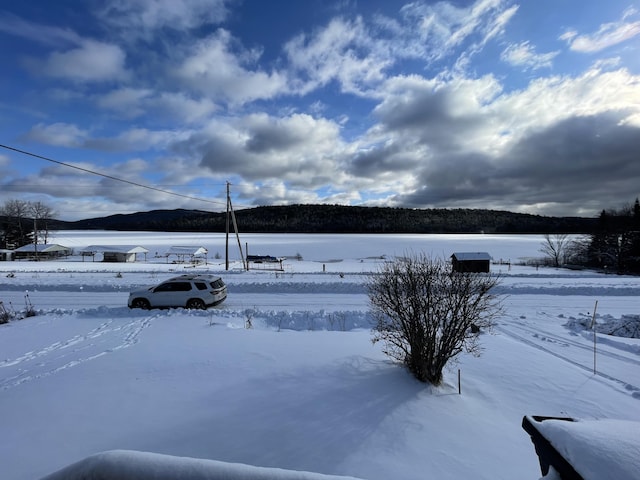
(190,291)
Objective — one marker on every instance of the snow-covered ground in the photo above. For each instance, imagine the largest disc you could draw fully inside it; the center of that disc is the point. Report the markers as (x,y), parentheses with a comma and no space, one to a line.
(304,388)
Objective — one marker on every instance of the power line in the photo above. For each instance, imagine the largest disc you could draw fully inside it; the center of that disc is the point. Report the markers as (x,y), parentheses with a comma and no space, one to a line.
(110,177)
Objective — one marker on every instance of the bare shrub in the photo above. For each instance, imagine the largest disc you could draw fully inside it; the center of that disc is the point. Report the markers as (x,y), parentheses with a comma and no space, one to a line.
(424,312)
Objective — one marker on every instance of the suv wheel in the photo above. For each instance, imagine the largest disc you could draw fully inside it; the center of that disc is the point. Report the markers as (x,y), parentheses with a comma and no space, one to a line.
(196,304)
(141,303)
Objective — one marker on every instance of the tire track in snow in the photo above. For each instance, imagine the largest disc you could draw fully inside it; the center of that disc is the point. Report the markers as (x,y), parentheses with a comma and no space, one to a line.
(75,351)
(632,389)
(543,335)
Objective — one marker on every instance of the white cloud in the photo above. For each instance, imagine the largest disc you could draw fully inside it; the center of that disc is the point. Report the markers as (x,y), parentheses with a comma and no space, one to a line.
(608,35)
(298,149)
(127,101)
(498,23)
(342,51)
(92,61)
(181,107)
(524,55)
(212,68)
(59,37)
(137,139)
(136,102)
(443,27)
(58,134)
(473,144)
(142,17)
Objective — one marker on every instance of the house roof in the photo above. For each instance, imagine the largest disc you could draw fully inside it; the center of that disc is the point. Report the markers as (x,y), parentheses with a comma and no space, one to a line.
(470,256)
(187,250)
(114,249)
(42,248)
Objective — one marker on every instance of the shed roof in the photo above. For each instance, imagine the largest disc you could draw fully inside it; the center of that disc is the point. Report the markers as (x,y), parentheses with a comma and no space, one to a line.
(42,248)
(115,249)
(470,256)
(187,250)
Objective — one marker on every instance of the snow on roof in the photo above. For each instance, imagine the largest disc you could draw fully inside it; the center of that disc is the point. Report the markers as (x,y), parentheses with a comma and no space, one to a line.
(466,256)
(115,249)
(187,250)
(42,248)
(597,449)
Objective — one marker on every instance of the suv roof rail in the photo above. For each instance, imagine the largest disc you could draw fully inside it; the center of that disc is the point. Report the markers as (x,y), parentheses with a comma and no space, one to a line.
(193,276)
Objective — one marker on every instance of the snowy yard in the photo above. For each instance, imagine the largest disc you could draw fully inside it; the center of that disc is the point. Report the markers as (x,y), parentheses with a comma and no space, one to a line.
(304,389)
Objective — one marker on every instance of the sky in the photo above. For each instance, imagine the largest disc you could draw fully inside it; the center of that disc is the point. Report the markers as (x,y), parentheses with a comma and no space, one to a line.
(530,107)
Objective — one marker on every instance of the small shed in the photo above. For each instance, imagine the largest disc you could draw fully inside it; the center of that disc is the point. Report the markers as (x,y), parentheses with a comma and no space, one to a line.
(188,253)
(6,255)
(115,253)
(41,251)
(476,262)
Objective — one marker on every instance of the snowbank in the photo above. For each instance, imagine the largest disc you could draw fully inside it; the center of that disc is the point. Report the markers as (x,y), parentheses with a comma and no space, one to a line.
(132,465)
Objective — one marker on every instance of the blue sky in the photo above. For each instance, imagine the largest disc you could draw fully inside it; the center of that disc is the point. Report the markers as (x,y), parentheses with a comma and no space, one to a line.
(524,106)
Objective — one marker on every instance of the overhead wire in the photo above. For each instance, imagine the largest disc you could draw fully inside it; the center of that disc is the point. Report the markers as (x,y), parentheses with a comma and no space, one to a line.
(110,177)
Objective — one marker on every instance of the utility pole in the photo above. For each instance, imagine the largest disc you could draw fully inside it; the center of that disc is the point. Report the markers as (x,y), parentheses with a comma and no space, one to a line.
(230,213)
(593,326)
(35,237)
(226,254)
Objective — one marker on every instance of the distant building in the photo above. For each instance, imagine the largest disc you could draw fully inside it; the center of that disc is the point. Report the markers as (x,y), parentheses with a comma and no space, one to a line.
(6,255)
(188,253)
(115,253)
(477,262)
(41,251)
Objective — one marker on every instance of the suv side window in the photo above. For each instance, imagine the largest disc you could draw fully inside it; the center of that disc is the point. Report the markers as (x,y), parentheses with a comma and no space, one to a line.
(201,286)
(164,287)
(181,286)
(173,287)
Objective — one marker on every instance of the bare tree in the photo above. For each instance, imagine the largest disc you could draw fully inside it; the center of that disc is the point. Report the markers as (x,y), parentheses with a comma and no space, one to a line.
(426,314)
(24,222)
(555,248)
(41,214)
(15,230)
(577,251)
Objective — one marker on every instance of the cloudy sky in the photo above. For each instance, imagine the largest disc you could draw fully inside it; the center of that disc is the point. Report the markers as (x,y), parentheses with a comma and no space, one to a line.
(527,106)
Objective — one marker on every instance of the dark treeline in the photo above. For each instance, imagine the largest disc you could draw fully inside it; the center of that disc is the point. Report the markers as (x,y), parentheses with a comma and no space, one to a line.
(340,219)
(614,244)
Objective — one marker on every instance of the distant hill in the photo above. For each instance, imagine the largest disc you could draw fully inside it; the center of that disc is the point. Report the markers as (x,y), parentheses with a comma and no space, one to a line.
(337,219)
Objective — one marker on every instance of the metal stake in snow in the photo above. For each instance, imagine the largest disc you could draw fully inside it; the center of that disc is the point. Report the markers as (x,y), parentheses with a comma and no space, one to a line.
(593,327)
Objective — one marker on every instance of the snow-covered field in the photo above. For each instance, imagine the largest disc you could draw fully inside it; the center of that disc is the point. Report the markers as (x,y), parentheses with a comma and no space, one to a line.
(304,388)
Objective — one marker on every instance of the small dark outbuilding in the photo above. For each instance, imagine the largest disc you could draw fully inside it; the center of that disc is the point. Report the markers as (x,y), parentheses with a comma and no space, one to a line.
(476,262)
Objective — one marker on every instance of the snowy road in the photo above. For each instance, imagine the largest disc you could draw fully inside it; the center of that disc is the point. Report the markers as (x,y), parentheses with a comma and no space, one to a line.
(49,300)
